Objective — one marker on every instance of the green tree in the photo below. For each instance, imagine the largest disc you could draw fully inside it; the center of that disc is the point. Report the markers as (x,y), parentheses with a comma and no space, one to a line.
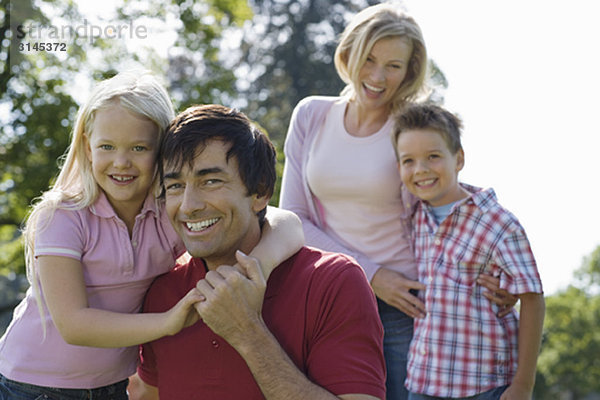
(38,96)
(568,365)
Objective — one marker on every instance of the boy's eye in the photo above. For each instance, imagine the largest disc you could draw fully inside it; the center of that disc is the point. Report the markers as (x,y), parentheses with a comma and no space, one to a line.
(139,148)
(406,161)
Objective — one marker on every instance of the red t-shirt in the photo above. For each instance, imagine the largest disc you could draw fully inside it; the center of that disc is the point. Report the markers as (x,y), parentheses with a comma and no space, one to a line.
(318,305)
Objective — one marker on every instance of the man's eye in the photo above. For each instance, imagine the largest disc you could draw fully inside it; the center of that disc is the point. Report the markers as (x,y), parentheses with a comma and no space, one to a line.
(173,186)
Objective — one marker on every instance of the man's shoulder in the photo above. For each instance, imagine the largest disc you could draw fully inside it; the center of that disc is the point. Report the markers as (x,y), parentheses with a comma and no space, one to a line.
(177,280)
(314,261)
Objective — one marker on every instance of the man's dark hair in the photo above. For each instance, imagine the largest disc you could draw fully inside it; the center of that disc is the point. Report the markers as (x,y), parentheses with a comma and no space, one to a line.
(193,128)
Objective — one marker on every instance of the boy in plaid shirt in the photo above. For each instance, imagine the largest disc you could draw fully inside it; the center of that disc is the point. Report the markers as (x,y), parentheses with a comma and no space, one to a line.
(462,348)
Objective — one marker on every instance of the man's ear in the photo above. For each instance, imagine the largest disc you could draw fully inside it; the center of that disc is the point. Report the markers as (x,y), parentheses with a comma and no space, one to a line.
(259,202)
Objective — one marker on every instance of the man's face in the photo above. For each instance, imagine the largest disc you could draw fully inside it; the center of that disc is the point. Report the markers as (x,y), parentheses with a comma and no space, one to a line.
(208,205)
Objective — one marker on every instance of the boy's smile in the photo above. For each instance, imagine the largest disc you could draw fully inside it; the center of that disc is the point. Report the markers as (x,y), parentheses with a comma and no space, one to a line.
(428,168)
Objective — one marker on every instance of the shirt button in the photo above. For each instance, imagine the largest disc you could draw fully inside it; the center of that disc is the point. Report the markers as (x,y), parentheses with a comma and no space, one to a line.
(134,244)
(438,242)
(215,344)
(430,279)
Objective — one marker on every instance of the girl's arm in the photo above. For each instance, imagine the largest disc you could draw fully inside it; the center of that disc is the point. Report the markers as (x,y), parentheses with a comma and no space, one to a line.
(531,322)
(281,237)
(65,295)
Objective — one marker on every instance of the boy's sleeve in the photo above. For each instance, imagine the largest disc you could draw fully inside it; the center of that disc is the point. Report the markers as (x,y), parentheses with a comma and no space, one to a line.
(519,269)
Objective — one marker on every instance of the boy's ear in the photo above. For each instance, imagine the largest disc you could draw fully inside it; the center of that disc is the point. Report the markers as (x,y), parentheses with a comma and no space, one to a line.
(460,159)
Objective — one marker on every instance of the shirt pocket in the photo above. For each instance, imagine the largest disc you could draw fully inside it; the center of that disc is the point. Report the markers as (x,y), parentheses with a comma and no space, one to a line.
(469,271)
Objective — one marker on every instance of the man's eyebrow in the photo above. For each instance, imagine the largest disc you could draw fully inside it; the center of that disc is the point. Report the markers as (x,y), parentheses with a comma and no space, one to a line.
(207,171)
(172,175)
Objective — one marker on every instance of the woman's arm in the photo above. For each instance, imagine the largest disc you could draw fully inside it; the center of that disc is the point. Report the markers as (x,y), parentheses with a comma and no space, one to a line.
(66,297)
(281,238)
(531,323)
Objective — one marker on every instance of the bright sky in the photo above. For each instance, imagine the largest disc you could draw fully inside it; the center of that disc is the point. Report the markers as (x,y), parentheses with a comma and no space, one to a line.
(524,76)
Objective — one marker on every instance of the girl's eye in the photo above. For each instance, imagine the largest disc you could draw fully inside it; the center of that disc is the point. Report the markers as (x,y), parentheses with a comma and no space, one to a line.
(139,148)
(105,147)
(396,66)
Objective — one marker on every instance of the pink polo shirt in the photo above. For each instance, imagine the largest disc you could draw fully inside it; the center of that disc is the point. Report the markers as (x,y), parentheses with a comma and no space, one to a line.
(117,271)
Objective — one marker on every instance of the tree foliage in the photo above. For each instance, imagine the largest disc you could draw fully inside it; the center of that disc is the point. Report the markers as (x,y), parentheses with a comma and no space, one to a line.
(569,366)
(261,56)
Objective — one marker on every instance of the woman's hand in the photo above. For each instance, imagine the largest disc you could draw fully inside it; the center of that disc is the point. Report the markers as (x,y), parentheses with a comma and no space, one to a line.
(393,288)
(501,297)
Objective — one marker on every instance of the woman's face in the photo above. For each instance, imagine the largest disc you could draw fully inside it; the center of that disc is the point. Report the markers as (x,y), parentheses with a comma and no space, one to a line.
(383,72)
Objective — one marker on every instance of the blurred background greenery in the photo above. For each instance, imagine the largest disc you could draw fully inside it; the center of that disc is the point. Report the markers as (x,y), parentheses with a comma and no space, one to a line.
(262,57)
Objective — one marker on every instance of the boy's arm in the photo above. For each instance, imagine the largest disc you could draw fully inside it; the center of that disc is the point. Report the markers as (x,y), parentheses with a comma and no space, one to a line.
(531,322)
(281,237)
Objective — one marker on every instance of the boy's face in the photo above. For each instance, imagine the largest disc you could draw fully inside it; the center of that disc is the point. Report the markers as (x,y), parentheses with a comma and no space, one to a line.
(208,205)
(428,168)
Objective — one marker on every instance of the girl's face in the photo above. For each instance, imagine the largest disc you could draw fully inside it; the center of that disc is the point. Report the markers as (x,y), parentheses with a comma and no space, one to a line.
(122,149)
(383,72)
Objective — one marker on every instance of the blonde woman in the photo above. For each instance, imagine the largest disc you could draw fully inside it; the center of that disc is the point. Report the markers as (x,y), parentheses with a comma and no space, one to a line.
(340,175)
(94,243)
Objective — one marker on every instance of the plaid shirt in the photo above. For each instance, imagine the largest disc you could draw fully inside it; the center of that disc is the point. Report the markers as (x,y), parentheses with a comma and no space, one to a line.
(461,348)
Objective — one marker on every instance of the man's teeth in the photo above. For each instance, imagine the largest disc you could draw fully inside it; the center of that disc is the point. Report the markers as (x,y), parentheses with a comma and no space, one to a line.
(198,226)
(122,178)
(373,88)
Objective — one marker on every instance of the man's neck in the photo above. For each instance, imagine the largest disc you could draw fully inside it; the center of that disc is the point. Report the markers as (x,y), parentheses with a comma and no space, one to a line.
(247,244)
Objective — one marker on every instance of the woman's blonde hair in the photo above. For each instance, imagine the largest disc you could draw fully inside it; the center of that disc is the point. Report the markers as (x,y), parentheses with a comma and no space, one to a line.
(366,28)
(75,188)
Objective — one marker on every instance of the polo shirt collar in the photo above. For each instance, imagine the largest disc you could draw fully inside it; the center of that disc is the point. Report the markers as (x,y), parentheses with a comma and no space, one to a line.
(102,207)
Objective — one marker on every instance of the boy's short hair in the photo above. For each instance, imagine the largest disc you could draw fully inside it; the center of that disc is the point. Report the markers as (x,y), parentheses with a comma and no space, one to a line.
(429,116)
(193,128)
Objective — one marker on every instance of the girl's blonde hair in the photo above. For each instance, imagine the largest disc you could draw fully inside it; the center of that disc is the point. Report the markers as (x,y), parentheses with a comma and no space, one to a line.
(366,28)
(75,188)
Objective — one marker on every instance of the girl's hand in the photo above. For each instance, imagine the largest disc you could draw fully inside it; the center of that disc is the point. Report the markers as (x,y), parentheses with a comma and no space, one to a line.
(501,297)
(183,314)
(393,288)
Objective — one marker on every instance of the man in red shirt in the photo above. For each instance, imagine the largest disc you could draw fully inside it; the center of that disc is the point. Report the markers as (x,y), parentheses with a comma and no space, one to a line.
(317,335)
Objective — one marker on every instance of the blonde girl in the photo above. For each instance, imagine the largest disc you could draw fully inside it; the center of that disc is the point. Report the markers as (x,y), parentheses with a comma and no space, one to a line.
(94,242)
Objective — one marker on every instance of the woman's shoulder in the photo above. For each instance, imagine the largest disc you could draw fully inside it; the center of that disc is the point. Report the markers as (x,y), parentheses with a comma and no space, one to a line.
(317,102)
